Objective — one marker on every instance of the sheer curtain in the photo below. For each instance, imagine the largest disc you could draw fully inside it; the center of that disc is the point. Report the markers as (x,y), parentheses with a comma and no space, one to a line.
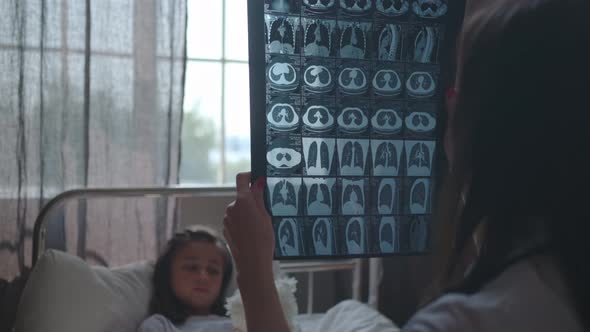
(90,96)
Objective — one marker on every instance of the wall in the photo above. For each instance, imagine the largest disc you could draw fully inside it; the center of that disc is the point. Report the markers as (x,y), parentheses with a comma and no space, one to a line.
(207,208)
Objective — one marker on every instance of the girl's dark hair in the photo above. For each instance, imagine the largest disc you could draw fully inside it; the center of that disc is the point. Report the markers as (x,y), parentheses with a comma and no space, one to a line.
(521,143)
(164,302)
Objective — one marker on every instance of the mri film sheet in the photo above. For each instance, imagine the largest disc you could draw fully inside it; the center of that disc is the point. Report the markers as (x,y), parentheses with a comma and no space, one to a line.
(344,120)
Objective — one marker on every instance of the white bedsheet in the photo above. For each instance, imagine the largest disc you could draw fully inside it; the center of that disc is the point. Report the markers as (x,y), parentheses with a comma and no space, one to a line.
(349,316)
(346,316)
(159,323)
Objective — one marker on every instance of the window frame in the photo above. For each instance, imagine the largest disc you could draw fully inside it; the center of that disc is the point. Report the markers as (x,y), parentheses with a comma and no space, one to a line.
(221,180)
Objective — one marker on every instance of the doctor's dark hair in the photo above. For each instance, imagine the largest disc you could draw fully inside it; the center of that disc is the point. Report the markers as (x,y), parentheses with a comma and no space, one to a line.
(164,301)
(520,141)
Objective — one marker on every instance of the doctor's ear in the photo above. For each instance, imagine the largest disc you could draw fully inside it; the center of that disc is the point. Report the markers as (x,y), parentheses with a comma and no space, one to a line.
(479,235)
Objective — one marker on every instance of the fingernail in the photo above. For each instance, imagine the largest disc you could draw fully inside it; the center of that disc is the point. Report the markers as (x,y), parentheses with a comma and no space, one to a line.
(260,182)
(451,92)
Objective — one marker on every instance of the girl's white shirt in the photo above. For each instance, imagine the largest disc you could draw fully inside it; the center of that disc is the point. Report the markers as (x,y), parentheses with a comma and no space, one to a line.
(211,323)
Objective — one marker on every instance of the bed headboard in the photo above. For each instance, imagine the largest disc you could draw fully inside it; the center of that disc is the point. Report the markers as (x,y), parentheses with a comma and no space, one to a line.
(115,226)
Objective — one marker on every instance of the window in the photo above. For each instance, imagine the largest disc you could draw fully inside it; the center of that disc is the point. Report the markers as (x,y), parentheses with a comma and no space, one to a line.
(216,126)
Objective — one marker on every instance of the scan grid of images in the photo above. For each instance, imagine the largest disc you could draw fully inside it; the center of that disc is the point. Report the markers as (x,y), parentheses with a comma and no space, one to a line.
(351,87)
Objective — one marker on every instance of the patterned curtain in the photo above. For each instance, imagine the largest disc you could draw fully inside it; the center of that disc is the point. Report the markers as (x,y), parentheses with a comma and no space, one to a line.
(90,96)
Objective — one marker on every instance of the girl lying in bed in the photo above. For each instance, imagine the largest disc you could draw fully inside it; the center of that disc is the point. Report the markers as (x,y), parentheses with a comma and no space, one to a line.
(190,280)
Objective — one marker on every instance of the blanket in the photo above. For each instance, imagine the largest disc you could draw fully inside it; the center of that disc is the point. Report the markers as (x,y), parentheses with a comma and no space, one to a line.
(351,316)
(346,316)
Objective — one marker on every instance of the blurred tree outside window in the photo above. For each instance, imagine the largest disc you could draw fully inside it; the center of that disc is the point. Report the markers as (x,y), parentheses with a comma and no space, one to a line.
(216,121)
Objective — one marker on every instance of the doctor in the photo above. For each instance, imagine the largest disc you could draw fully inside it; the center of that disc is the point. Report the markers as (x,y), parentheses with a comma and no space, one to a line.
(518,142)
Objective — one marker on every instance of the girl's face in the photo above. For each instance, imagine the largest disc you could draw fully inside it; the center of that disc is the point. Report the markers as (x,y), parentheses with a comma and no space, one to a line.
(197,273)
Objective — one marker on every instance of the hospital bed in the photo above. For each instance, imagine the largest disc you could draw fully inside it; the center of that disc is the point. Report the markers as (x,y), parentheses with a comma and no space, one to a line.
(57,242)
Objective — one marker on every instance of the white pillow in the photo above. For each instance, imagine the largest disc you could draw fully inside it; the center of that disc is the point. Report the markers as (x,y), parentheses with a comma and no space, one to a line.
(65,294)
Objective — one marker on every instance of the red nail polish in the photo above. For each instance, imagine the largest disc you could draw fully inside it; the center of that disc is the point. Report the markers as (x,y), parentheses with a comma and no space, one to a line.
(451,92)
(260,182)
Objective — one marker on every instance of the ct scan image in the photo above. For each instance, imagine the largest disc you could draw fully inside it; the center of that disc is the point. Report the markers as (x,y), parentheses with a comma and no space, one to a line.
(352,96)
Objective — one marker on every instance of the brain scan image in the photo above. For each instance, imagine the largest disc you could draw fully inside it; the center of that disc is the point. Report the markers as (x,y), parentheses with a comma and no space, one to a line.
(322,236)
(387,234)
(317,38)
(418,234)
(386,82)
(352,120)
(421,84)
(319,6)
(419,157)
(319,196)
(282,75)
(281,38)
(352,80)
(284,196)
(318,118)
(429,8)
(420,122)
(386,157)
(353,197)
(353,39)
(386,121)
(318,78)
(353,154)
(386,196)
(419,196)
(389,42)
(392,7)
(282,117)
(288,237)
(355,236)
(425,45)
(318,153)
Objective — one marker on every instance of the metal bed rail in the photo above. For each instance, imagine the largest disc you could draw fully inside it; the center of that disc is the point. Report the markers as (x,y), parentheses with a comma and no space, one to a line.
(311,267)
(39,230)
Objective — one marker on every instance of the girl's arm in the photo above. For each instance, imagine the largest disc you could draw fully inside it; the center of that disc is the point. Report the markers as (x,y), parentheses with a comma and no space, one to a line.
(261,303)
(249,233)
